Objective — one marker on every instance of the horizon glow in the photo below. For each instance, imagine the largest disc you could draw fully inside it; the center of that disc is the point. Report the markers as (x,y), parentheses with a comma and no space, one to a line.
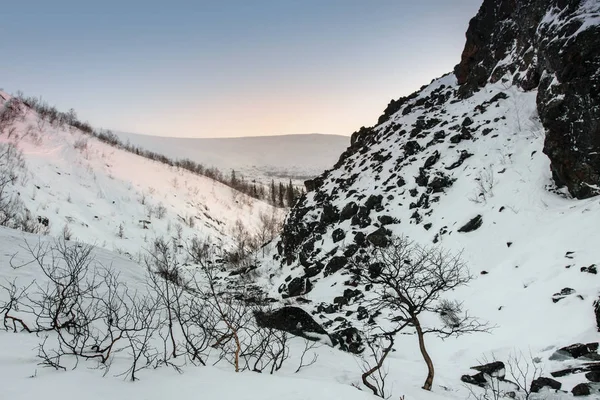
(229,68)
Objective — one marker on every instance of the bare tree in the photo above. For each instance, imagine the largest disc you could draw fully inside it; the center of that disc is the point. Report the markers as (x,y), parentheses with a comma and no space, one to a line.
(410,280)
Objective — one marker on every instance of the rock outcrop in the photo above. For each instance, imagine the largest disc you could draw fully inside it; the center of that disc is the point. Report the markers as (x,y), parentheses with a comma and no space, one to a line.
(552,46)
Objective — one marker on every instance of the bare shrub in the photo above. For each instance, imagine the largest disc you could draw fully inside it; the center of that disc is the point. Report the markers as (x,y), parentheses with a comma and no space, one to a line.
(485,183)
(160,211)
(81,144)
(12,166)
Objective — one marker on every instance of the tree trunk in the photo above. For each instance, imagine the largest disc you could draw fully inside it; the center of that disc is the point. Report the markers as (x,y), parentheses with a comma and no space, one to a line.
(428,361)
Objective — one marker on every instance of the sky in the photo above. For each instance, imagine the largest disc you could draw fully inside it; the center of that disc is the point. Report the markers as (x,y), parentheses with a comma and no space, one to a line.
(228,68)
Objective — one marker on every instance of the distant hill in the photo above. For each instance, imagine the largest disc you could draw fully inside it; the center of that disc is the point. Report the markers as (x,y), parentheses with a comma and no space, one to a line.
(260,157)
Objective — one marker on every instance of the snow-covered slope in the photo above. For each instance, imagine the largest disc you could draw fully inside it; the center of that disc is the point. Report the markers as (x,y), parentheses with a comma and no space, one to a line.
(263,157)
(103,195)
(460,151)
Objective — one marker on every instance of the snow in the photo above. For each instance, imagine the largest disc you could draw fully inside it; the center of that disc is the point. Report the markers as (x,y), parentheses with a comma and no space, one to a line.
(77,181)
(534,241)
(263,158)
(523,243)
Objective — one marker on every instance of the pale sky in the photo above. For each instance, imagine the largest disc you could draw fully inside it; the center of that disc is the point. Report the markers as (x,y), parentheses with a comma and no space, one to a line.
(229,68)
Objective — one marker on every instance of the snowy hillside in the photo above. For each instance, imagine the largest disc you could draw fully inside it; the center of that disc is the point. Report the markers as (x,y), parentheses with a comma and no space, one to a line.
(478,157)
(463,166)
(298,157)
(117,200)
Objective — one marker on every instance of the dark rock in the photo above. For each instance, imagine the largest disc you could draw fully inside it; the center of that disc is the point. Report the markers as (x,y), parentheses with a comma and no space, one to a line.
(379,238)
(335,264)
(313,184)
(411,148)
(593,376)
(330,214)
(590,270)
(472,225)
(582,389)
(422,179)
(495,369)
(597,313)
(541,382)
(431,160)
(361,219)
(360,239)
(348,211)
(313,270)
(440,182)
(290,319)
(556,297)
(338,235)
(374,203)
(348,339)
(467,122)
(350,250)
(477,379)
(375,270)
(326,308)
(387,220)
(362,313)
(563,66)
(298,286)
(340,301)
(461,158)
(573,351)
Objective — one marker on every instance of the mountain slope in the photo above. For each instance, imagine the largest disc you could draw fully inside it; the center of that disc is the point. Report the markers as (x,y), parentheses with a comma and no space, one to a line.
(469,147)
(116,199)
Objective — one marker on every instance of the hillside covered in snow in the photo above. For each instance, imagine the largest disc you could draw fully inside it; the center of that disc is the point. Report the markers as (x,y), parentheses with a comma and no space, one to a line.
(68,182)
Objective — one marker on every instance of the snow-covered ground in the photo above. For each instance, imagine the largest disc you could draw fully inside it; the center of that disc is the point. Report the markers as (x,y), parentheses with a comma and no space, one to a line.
(263,158)
(102,194)
(534,241)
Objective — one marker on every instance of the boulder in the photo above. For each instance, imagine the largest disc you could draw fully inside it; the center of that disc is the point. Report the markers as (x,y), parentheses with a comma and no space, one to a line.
(411,148)
(348,211)
(348,339)
(338,235)
(477,379)
(298,286)
(593,376)
(583,389)
(379,238)
(542,382)
(431,160)
(495,369)
(335,264)
(556,297)
(291,319)
(313,270)
(472,225)
(597,313)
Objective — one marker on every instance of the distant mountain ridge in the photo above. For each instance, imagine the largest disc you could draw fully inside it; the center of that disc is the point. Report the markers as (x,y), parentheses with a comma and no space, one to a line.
(296,156)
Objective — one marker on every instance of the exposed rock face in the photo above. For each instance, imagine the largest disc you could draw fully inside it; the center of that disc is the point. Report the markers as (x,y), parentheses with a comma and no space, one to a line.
(291,319)
(545,44)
